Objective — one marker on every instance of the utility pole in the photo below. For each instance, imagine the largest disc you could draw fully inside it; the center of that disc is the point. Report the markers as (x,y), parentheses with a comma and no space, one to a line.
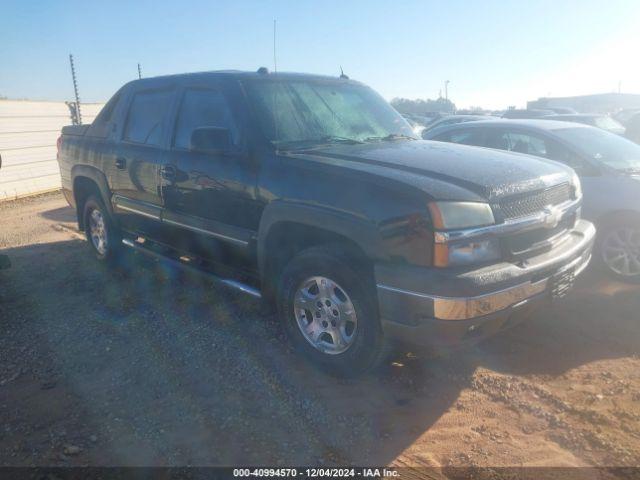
(139,71)
(75,90)
(446,89)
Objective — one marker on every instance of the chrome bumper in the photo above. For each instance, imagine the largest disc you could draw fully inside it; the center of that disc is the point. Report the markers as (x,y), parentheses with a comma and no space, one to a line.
(465,308)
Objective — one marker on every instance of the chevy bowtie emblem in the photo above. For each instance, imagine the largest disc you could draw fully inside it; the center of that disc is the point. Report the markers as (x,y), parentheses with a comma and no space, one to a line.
(552,217)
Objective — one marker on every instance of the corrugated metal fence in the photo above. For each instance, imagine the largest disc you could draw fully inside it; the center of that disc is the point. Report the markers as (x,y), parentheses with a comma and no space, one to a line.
(28,134)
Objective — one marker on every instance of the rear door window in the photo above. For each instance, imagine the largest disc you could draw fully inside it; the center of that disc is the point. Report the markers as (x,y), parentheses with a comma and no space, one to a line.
(147,115)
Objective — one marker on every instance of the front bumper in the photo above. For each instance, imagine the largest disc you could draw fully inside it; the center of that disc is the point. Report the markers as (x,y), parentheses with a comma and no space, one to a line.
(444,307)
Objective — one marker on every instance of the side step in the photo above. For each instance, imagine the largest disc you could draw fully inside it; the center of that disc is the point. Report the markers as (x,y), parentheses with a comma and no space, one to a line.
(176,263)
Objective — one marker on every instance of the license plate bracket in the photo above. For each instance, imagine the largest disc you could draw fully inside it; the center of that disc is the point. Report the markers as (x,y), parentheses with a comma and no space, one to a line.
(562,283)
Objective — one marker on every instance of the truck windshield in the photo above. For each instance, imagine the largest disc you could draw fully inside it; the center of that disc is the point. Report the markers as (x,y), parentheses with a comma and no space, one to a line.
(611,149)
(301,114)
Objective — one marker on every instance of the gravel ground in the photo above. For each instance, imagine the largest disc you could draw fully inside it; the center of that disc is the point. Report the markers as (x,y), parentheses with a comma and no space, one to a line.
(150,367)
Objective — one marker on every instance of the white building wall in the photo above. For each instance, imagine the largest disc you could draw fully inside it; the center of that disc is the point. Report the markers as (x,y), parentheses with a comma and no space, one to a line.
(28,134)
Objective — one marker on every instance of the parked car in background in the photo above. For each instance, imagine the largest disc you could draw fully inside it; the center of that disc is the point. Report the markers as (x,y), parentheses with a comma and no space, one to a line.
(325,204)
(605,122)
(533,113)
(561,110)
(623,116)
(453,119)
(608,166)
(424,119)
(415,126)
(633,128)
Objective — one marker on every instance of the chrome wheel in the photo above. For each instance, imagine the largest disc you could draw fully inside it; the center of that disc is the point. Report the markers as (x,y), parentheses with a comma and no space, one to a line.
(621,251)
(98,231)
(325,315)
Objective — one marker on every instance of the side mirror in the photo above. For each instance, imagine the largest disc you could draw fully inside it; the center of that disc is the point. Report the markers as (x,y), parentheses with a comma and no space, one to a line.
(210,140)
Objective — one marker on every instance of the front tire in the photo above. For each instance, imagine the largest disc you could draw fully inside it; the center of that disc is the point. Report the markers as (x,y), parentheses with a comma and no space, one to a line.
(102,235)
(327,303)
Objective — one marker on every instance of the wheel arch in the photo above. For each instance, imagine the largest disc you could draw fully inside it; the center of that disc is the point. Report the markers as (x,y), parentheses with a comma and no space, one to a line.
(285,229)
(89,180)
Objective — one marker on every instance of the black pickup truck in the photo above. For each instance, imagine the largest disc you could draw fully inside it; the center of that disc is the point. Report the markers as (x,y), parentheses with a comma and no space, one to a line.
(314,194)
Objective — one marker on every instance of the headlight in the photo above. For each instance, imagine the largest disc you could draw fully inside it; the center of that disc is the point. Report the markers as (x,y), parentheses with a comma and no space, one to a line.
(459,215)
(466,252)
(454,215)
(577,186)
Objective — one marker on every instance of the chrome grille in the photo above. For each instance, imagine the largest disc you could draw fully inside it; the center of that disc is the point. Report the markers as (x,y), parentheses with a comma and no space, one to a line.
(529,204)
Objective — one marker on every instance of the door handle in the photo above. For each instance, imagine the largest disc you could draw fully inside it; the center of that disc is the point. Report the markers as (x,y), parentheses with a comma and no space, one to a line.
(168,172)
(121,163)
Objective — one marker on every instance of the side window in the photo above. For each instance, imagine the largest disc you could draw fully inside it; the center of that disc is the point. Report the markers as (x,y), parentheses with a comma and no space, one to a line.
(146,116)
(442,137)
(498,139)
(203,108)
(467,137)
(526,143)
(560,153)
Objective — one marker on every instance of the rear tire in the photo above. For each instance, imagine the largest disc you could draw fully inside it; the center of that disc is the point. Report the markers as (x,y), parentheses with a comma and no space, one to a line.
(103,237)
(328,306)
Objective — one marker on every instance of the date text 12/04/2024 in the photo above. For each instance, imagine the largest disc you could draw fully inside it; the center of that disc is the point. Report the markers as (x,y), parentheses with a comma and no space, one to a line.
(317,472)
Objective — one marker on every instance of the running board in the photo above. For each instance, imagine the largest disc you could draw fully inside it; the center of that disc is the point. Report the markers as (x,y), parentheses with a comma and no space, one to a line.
(224,281)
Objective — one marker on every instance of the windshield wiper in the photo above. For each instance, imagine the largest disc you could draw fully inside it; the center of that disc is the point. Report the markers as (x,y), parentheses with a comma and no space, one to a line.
(336,139)
(390,137)
(312,143)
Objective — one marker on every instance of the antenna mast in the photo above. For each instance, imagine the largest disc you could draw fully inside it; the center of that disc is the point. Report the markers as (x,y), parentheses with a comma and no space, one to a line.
(275,64)
(75,90)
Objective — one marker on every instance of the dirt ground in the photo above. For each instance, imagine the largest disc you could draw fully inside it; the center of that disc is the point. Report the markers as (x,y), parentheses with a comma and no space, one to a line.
(153,368)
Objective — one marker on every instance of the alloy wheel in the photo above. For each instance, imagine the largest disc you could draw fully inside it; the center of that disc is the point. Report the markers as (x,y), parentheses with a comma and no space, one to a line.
(325,315)
(98,231)
(621,251)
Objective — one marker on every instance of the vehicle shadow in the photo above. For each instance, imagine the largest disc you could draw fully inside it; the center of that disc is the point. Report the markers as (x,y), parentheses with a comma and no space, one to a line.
(598,320)
(62,214)
(165,369)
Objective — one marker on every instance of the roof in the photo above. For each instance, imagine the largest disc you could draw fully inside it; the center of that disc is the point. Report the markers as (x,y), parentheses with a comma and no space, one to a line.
(237,74)
(536,124)
(464,115)
(577,115)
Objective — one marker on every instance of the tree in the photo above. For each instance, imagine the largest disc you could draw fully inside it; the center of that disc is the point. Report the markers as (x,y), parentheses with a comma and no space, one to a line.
(421,107)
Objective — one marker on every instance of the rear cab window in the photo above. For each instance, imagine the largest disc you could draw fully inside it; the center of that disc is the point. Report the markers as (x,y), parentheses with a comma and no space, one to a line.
(103,124)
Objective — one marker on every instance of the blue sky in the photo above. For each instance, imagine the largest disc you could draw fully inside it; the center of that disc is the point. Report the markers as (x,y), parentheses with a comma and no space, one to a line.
(495,53)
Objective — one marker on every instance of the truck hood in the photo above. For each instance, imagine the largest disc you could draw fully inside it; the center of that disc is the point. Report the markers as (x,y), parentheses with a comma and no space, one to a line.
(489,173)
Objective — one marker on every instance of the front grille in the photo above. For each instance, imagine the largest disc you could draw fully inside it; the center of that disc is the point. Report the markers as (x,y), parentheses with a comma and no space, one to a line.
(531,203)
(536,241)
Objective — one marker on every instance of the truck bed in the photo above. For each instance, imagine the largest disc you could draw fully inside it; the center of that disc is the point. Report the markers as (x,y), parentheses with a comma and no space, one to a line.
(75,130)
